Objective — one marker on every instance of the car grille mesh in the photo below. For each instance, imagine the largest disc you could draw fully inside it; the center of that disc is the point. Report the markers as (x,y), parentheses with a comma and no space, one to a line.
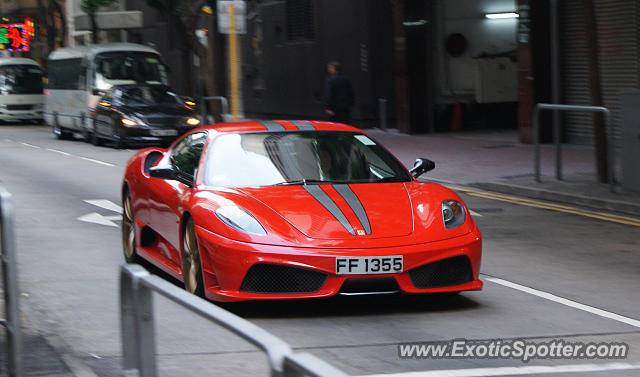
(442,273)
(160,121)
(274,278)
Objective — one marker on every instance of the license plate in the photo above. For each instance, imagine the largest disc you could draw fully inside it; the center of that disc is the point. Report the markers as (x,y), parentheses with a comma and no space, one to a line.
(163,132)
(389,264)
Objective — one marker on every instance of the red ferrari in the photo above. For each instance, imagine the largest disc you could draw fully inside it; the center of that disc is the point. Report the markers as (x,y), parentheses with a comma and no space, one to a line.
(294,209)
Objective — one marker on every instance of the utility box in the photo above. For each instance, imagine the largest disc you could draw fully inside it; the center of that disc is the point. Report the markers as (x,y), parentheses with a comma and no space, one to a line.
(630,139)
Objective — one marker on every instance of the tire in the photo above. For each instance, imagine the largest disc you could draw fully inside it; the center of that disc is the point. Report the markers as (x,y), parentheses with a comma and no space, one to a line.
(95,139)
(118,139)
(191,265)
(61,133)
(128,230)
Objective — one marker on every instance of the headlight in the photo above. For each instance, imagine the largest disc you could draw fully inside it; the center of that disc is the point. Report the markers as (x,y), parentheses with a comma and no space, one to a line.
(193,121)
(240,219)
(128,122)
(453,214)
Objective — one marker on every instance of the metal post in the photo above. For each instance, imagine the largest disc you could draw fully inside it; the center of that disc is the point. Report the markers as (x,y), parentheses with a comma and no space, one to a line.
(555,84)
(382,109)
(558,142)
(10,281)
(591,109)
(536,142)
(145,335)
(611,150)
(128,319)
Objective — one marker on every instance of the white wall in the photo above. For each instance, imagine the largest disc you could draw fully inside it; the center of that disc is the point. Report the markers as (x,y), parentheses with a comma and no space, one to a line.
(456,75)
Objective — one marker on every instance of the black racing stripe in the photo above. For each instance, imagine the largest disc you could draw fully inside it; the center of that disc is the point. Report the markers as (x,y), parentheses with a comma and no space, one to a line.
(356,205)
(271,125)
(324,199)
(303,126)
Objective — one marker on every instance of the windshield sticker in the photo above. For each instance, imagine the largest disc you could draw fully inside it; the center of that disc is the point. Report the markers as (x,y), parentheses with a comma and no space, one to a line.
(152,60)
(365,140)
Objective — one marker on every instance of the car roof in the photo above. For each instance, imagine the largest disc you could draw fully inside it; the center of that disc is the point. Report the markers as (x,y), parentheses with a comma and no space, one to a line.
(278,125)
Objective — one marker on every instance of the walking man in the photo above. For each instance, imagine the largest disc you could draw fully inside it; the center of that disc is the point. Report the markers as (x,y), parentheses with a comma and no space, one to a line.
(338,97)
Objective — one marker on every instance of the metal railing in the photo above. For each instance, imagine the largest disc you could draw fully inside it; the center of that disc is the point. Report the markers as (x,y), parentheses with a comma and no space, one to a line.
(138,337)
(203,107)
(10,284)
(558,142)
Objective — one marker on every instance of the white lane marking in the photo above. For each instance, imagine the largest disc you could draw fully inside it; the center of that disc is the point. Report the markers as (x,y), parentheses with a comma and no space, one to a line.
(517,371)
(57,151)
(30,145)
(474,213)
(564,301)
(106,204)
(97,218)
(97,161)
(67,154)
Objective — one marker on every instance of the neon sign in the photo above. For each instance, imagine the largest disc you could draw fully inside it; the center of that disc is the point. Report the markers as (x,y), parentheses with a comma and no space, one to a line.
(17,37)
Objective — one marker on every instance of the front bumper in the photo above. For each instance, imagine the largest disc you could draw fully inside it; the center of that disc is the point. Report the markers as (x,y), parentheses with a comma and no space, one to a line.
(145,135)
(17,115)
(226,264)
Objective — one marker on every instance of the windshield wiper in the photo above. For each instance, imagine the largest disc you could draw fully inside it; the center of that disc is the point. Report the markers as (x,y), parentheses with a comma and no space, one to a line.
(303,182)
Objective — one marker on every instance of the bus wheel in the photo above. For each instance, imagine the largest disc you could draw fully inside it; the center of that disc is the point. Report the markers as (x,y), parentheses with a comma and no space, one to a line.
(61,133)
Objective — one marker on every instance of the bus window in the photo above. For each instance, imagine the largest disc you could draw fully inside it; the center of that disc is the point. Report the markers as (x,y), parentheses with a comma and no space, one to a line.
(65,73)
(20,79)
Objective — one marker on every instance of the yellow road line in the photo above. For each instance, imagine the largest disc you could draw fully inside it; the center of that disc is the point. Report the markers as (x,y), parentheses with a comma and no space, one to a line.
(549,206)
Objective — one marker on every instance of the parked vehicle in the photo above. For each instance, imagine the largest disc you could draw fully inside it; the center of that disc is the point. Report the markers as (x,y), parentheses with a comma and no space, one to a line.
(142,114)
(79,76)
(21,95)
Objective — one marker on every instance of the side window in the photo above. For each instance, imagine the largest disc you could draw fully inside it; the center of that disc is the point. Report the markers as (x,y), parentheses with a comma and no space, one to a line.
(186,154)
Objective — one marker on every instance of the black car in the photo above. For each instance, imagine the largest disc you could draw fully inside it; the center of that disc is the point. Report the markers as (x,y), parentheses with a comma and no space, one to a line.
(142,115)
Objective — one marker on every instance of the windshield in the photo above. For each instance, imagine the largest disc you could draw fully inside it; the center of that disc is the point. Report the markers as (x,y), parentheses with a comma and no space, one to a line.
(121,68)
(149,95)
(20,79)
(280,158)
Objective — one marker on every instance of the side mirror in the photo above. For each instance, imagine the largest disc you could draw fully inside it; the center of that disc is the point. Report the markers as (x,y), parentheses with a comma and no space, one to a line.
(168,172)
(421,166)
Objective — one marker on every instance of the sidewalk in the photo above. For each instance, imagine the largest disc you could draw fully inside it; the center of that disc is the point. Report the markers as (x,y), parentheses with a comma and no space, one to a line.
(497,161)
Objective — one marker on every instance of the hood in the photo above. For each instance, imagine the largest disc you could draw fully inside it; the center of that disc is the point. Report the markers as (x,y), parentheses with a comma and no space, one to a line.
(340,211)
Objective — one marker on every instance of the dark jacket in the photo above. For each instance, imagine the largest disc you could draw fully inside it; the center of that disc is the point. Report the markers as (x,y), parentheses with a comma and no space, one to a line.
(338,94)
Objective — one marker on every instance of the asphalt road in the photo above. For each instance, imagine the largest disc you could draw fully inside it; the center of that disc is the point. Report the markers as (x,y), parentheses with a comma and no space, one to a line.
(576,279)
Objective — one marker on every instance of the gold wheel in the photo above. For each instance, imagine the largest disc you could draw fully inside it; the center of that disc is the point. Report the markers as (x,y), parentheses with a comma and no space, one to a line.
(128,230)
(191,267)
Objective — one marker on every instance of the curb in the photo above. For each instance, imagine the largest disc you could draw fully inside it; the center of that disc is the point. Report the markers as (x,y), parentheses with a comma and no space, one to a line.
(555,196)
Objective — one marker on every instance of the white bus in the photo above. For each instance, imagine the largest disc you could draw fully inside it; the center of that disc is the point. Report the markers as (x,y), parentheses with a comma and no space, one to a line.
(78,76)
(20,90)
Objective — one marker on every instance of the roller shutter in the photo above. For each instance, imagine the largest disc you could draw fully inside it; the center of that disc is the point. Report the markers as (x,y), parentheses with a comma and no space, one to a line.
(619,42)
